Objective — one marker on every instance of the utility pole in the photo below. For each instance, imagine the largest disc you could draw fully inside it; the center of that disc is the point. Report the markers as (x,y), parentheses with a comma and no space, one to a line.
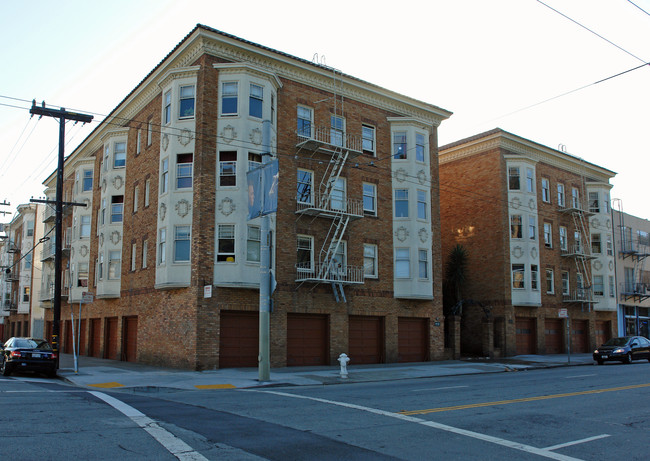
(62,115)
(5,203)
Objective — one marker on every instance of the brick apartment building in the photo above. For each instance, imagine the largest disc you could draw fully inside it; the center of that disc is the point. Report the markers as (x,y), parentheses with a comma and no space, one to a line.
(355,241)
(537,227)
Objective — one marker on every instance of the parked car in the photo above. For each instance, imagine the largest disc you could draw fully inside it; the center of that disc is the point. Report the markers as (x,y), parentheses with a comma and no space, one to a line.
(623,349)
(28,354)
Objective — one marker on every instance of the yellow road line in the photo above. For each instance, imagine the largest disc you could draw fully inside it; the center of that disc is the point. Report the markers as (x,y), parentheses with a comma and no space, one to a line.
(106,385)
(526,399)
(214,386)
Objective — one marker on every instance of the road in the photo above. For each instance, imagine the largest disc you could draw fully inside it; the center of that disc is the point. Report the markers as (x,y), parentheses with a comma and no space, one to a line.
(585,412)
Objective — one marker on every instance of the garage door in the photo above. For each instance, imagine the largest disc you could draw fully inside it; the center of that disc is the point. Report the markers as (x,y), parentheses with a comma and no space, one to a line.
(553,335)
(525,333)
(67,331)
(602,332)
(307,340)
(412,339)
(110,342)
(239,339)
(366,339)
(82,337)
(130,339)
(579,336)
(95,337)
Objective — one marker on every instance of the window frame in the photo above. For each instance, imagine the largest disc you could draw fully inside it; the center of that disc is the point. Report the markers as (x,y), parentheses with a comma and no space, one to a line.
(532,227)
(134,249)
(164,175)
(302,249)
(117,209)
(184,239)
(369,193)
(564,238)
(514,180)
(546,190)
(119,155)
(114,265)
(596,243)
(423,264)
(516,227)
(183,100)
(422,205)
(420,147)
(253,243)
(85,227)
(162,246)
(184,171)
(301,184)
(548,235)
(167,107)
(337,130)
(566,283)
(401,200)
(402,261)
(561,197)
(400,145)
(550,282)
(530,180)
(223,238)
(373,258)
(599,285)
(518,272)
(303,124)
(368,140)
(255,101)
(534,277)
(593,198)
(230,98)
(87,175)
(145,252)
(228,168)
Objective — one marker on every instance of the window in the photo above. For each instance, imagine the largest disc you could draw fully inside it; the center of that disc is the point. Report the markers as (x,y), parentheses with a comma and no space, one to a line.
(181,244)
(149,133)
(513,178)
(339,260)
(305,119)
(30,228)
(84,231)
(370,199)
(147,187)
(28,261)
(419,147)
(643,238)
(138,143)
(368,139)
(515,226)
(563,238)
(401,203)
(114,265)
(167,111)
(594,202)
(226,243)
(82,275)
(422,204)
(253,244)
(272,109)
(145,251)
(304,194)
(518,276)
(530,180)
(255,101)
(610,247)
(305,256)
(254,160)
(228,168)
(337,196)
(26,294)
(423,264)
(612,290)
(106,154)
(229,98)
(164,175)
(575,198)
(402,263)
(117,208)
(546,192)
(133,256)
(102,212)
(119,157)
(599,287)
(560,195)
(550,283)
(565,283)
(548,238)
(399,145)
(162,246)
(606,203)
(577,237)
(369,260)
(533,277)
(136,198)
(184,171)
(532,227)
(186,102)
(595,243)
(100,271)
(337,130)
(87,180)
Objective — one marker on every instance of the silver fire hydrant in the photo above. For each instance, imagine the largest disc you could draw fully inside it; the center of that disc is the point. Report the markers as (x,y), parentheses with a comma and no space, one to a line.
(343,360)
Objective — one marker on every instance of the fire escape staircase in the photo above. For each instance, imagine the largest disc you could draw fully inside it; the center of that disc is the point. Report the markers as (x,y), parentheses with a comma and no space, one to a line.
(581,254)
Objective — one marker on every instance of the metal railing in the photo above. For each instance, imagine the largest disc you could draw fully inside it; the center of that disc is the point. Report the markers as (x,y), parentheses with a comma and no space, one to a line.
(579,295)
(319,135)
(332,206)
(344,274)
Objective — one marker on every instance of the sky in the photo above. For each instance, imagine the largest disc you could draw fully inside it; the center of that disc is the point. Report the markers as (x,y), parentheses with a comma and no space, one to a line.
(513,64)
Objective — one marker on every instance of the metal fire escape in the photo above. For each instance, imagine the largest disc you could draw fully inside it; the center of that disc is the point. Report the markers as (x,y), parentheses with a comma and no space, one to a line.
(637,288)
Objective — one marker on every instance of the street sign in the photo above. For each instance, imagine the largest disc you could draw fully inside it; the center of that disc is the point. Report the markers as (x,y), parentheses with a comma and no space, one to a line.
(207,291)
(563,313)
(87,297)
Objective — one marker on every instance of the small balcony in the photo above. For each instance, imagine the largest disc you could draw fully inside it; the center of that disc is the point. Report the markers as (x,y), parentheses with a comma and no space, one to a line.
(576,251)
(48,251)
(573,206)
(318,273)
(330,207)
(579,295)
(635,291)
(327,139)
(49,214)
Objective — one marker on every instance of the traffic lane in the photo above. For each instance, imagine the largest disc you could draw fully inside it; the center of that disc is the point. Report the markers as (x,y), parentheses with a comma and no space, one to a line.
(45,419)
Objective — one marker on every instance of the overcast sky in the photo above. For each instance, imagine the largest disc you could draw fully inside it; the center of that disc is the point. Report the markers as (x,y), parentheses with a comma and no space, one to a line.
(488,61)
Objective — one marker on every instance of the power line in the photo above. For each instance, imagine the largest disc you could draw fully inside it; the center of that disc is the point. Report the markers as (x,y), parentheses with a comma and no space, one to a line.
(630,1)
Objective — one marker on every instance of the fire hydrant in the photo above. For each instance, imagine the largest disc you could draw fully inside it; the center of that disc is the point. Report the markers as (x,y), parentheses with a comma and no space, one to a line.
(343,360)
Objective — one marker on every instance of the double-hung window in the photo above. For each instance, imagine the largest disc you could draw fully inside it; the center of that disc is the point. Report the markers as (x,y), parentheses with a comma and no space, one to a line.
(575,198)
(254,160)
(594,202)
(184,163)
(186,102)
(402,263)
(226,243)
(117,208)
(305,187)
(399,145)
(532,227)
(119,156)
(305,256)
(134,250)
(167,111)
(422,204)
(548,237)
(82,275)
(515,226)
(229,94)
(145,251)
(563,239)
(560,196)
(565,283)
(114,264)
(164,175)
(136,198)
(368,139)
(337,130)
(253,243)
(84,230)
(550,282)
(534,277)
(228,168)
(518,276)
(419,147)
(337,196)
(182,244)
(162,246)
(546,191)
(513,178)
(530,180)
(87,180)
(369,260)
(596,244)
(599,285)
(305,120)
(370,199)
(423,264)
(256,100)
(401,203)
(610,247)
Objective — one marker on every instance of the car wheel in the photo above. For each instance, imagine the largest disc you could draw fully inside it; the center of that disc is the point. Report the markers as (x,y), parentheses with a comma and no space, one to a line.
(600,362)
(5,369)
(628,358)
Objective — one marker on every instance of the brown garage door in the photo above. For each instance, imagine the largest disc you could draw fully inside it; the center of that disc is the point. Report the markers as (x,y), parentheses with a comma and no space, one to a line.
(82,337)
(130,339)
(412,339)
(67,331)
(110,341)
(95,337)
(525,332)
(307,340)
(366,339)
(553,335)
(602,332)
(239,339)
(579,336)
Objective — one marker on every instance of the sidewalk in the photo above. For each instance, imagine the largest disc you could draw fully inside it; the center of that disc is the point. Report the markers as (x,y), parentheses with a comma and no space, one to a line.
(134,377)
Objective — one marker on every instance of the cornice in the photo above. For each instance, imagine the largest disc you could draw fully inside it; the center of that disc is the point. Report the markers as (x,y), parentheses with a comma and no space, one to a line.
(177,73)
(232,67)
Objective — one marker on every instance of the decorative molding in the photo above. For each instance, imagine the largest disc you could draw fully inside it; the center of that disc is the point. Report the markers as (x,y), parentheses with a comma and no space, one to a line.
(256,136)
(532,205)
(608,223)
(423,234)
(228,134)
(598,265)
(533,253)
(101,239)
(83,251)
(402,233)
(163,211)
(515,203)
(517,252)
(595,222)
(185,137)
(165,142)
(182,208)
(400,175)
(422,177)
(611,265)
(104,185)
(115,237)
(118,182)
(227,206)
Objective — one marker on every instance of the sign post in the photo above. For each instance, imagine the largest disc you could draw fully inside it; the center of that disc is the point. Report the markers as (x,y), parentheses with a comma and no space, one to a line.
(563,313)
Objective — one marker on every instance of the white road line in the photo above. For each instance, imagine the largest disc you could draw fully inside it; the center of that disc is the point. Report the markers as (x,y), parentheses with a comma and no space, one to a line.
(486,438)
(577,442)
(579,376)
(168,440)
(438,388)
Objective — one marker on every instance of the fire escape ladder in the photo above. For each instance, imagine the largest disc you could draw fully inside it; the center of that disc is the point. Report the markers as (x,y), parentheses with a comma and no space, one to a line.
(329,268)
(583,264)
(332,173)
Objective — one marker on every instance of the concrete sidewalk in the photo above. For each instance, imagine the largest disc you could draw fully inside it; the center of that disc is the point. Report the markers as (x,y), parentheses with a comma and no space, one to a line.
(134,377)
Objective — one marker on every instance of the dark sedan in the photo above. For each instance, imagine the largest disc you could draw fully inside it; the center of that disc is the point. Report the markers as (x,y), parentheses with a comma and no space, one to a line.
(28,354)
(623,349)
